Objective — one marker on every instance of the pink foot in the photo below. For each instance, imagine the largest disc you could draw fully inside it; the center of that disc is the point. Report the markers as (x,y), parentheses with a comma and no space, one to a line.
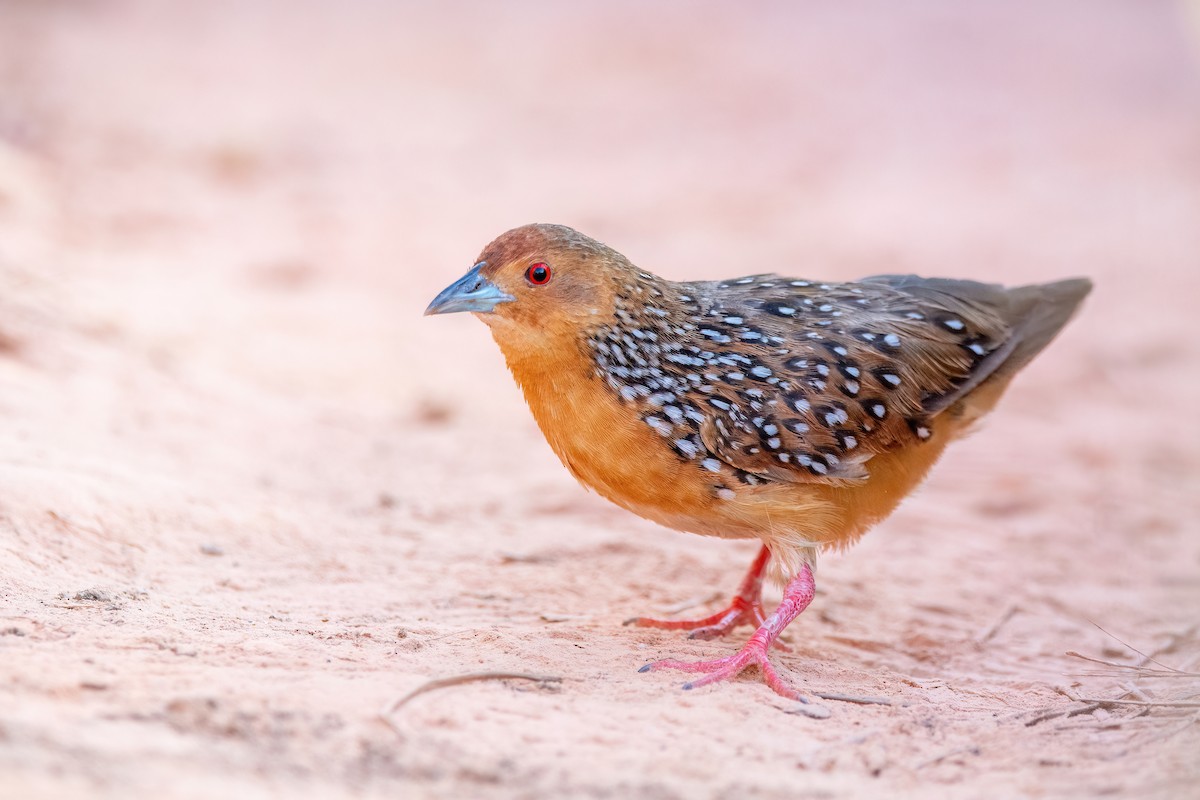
(740,611)
(745,609)
(796,597)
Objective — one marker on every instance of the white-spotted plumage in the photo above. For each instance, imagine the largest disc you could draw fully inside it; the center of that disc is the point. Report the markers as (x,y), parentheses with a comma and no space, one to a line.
(760,375)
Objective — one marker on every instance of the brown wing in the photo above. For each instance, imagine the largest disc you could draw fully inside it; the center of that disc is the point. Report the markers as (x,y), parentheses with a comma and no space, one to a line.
(807,381)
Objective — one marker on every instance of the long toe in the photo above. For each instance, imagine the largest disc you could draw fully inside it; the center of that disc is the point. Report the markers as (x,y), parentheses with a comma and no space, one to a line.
(715,621)
(723,669)
(732,667)
(686,666)
(738,613)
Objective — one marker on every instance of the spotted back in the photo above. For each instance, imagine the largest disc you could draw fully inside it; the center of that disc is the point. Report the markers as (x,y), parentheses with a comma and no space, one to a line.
(786,379)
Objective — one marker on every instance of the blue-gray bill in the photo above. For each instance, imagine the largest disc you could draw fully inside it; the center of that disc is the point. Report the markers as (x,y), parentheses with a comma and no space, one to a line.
(471,292)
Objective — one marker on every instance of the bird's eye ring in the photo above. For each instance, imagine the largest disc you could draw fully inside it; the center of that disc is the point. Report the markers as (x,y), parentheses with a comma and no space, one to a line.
(538,274)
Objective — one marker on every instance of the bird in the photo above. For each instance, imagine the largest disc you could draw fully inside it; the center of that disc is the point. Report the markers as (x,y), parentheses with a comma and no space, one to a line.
(797,412)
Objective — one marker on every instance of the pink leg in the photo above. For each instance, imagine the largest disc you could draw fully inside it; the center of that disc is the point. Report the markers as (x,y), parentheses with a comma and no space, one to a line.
(796,597)
(745,608)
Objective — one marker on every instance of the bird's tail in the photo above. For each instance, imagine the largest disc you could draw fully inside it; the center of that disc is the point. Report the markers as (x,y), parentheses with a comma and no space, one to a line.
(1037,313)
(1034,314)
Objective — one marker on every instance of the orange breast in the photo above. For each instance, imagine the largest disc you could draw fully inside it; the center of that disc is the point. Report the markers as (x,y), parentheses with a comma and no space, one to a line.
(609,449)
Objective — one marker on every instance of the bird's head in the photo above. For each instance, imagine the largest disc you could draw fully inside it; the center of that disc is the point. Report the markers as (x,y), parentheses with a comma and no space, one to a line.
(537,284)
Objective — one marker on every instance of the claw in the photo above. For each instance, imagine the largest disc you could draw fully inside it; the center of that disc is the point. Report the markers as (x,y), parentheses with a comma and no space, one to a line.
(796,597)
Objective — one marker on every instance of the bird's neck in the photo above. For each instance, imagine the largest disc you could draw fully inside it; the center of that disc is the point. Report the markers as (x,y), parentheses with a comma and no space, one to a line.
(544,364)
(564,393)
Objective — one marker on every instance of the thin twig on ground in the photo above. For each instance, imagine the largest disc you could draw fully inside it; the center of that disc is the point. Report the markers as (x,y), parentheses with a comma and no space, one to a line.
(550,616)
(1145,658)
(1086,709)
(1044,716)
(1142,671)
(849,698)
(810,710)
(968,750)
(987,634)
(457,680)
(1143,703)
(1133,697)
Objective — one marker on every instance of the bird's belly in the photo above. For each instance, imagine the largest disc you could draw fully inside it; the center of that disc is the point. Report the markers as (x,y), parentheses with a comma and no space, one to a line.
(637,470)
(612,451)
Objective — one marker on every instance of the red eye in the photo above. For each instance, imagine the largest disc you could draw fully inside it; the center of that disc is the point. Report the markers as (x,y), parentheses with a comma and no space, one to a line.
(538,274)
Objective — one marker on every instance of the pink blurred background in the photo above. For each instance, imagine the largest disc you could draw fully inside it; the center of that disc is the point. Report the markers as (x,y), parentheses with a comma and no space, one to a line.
(221,408)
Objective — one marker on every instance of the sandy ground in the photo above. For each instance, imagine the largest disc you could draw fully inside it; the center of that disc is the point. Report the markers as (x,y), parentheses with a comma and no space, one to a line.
(249,497)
